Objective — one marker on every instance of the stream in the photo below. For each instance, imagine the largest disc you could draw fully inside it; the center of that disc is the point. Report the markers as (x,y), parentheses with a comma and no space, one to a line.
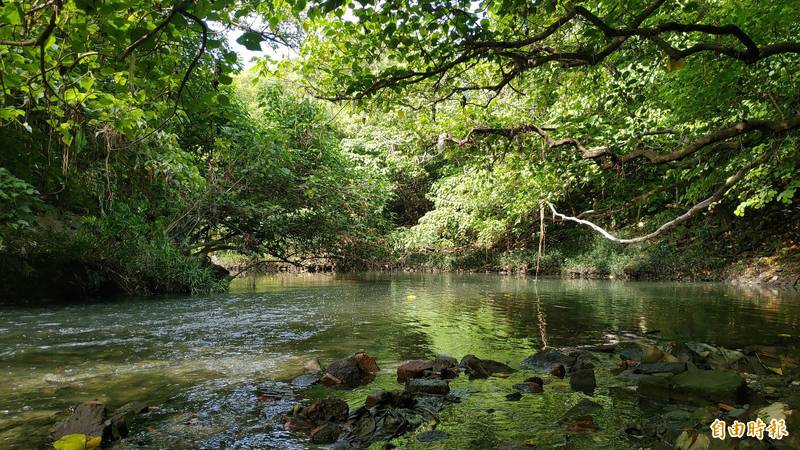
(217,368)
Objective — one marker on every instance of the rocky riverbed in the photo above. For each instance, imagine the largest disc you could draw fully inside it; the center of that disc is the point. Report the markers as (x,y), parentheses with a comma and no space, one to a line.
(685,387)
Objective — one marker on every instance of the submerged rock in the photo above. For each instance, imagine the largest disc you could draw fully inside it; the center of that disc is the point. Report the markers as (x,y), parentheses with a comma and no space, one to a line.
(558,371)
(514,396)
(432,436)
(427,386)
(547,360)
(475,367)
(313,366)
(306,380)
(583,380)
(582,408)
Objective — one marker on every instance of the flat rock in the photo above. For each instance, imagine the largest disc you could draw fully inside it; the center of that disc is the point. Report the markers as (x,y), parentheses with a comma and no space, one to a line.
(427,386)
(699,386)
(415,368)
(306,380)
(661,367)
(654,387)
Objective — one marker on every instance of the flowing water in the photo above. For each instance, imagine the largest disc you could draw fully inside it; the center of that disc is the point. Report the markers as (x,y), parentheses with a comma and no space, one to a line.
(217,367)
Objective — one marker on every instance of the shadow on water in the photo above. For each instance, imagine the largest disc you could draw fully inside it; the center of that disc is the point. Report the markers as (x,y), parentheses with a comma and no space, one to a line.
(204,360)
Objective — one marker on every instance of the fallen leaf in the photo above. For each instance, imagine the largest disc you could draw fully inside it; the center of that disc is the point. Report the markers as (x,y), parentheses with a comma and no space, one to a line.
(93,442)
(71,442)
(777,370)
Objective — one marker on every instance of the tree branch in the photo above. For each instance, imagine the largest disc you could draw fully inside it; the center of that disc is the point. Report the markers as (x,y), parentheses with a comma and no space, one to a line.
(735,130)
(177,9)
(691,212)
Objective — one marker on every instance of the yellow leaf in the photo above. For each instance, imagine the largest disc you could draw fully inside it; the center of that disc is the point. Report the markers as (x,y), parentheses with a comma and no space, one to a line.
(71,442)
(93,442)
(777,370)
(500,375)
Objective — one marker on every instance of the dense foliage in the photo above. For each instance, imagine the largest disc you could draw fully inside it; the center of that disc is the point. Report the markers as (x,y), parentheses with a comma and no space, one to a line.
(637,116)
(445,133)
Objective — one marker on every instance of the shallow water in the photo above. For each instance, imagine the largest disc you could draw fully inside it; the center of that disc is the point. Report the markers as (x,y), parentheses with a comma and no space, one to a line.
(205,361)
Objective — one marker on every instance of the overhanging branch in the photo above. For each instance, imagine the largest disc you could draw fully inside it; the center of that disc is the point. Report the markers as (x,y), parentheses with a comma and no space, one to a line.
(691,212)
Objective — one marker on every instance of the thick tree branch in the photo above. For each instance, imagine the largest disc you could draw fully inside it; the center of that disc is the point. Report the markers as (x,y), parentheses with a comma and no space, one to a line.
(738,129)
(526,54)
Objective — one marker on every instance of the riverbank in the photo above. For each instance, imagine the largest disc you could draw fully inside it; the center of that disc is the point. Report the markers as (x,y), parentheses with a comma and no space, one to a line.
(655,263)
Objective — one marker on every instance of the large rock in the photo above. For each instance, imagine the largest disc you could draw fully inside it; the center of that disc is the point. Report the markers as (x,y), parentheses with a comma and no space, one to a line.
(654,387)
(546,360)
(320,413)
(88,418)
(475,367)
(92,418)
(415,368)
(700,386)
(445,366)
(351,372)
(583,381)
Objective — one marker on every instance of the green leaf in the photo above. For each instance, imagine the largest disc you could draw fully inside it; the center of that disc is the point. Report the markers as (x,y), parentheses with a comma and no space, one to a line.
(12,14)
(250,40)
